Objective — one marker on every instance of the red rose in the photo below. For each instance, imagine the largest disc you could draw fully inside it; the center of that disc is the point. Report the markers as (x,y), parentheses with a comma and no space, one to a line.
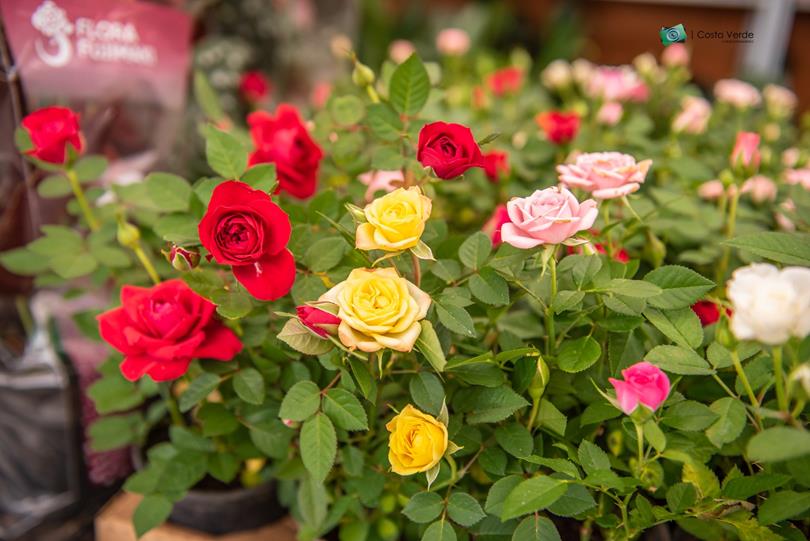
(162,328)
(505,81)
(450,149)
(283,139)
(254,86)
(50,130)
(707,312)
(493,226)
(560,128)
(243,228)
(318,321)
(496,163)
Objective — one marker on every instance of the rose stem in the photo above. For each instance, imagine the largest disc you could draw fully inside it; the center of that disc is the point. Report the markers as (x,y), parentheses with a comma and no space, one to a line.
(780,379)
(640,438)
(549,309)
(417,270)
(171,405)
(731,225)
(89,217)
(144,259)
(746,385)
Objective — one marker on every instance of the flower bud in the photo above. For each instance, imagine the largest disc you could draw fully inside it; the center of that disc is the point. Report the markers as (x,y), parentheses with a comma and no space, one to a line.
(128,235)
(651,474)
(540,379)
(183,259)
(615,442)
(654,250)
(745,156)
(799,382)
(362,75)
(723,334)
(387,529)
(289,423)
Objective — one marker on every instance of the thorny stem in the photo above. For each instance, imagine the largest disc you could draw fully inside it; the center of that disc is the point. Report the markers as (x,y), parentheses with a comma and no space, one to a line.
(89,217)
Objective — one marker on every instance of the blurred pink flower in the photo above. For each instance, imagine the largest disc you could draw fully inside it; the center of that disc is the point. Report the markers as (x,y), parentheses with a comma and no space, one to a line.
(453,42)
(643,383)
(675,55)
(760,188)
(610,113)
(493,226)
(745,153)
(782,220)
(606,175)
(400,50)
(737,93)
(779,100)
(557,74)
(548,216)
(790,157)
(387,181)
(711,189)
(320,94)
(617,83)
(798,176)
(693,116)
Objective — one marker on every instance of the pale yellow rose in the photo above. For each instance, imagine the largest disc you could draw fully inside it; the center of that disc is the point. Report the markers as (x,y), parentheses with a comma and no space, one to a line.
(395,221)
(417,442)
(378,309)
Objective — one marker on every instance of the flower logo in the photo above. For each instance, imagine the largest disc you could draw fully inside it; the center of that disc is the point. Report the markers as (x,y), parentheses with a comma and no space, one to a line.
(53,22)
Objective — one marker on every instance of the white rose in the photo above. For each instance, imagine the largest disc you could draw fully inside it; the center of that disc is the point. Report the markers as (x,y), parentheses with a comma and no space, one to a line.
(770,305)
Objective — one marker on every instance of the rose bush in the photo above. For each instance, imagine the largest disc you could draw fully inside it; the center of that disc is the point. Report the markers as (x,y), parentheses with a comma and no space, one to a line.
(461,343)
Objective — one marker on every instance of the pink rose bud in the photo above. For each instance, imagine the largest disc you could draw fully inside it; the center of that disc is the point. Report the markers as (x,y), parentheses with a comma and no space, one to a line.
(453,42)
(711,189)
(760,188)
(610,113)
(548,216)
(736,93)
(606,175)
(693,116)
(616,83)
(318,321)
(675,55)
(494,224)
(183,259)
(400,50)
(798,176)
(289,423)
(788,207)
(745,155)
(643,383)
(386,181)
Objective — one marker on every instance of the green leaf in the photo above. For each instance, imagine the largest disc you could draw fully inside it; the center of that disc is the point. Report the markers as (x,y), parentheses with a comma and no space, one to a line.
(318,446)
(475,250)
(681,287)
(225,153)
(112,394)
(113,432)
(583,267)
(261,176)
(455,318)
(576,501)
(313,502)
(689,416)
(655,436)
(439,531)
(347,110)
(110,256)
(206,97)
(324,254)
(223,466)
(70,266)
(489,287)
(297,336)
(428,345)
(272,438)
(427,392)
(384,122)
(90,168)
(179,228)
(778,443)
(550,417)
(22,139)
(300,402)
(515,439)
(168,192)
(633,288)
(487,404)
(532,495)
(216,419)
(682,326)
(742,488)
(152,511)
(54,186)
(464,509)
(498,493)
(345,410)
(680,497)
(579,354)
(367,384)
(186,439)
(200,387)
(57,241)
(423,507)
(409,86)
(592,458)
(24,262)
(536,528)
(249,386)
(787,248)
(679,360)
(730,423)
(782,506)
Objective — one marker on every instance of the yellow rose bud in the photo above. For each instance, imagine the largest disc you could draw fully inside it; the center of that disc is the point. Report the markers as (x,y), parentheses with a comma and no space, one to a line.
(395,221)
(378,309)
(417,441)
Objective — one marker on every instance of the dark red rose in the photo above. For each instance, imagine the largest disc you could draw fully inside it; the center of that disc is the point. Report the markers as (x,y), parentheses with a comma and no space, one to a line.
(560,128)
(505,81)
(496,163)
(450,149)
(161,329)
(707,312)
(283,139)
(318,321)
(254,86)
(243,228)
(51,129)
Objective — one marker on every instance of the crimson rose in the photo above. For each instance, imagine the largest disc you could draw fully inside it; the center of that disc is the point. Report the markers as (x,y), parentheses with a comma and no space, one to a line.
(560,128)
(496,163)
(450,149)
(283,139)
(162,328)
(51,129)
(254,87)
(243,228)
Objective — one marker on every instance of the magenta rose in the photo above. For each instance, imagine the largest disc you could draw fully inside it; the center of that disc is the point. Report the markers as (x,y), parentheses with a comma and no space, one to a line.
(643,383)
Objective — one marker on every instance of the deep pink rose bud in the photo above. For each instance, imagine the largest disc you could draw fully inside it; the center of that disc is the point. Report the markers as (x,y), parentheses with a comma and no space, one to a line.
(318,321)
(643,383)
(183,259)
(745,157)
(494,224)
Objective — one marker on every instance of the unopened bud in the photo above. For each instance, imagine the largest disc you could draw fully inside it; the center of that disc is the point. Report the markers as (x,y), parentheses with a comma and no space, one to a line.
(387,529)
(655,251)
(799,382)
(388,503)
(128,235)
(540,379)
(723,334)
(362,75)
(183,259)
(615,442)
(651,474)
(289,423)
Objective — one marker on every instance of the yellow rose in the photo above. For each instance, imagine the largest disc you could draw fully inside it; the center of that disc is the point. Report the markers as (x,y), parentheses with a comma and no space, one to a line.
(395,221)
(378,309)
(417,442)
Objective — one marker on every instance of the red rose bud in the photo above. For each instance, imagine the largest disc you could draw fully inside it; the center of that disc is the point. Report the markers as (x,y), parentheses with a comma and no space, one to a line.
(708,312)
(162,328)
(319,321)
(505,81)
(745,156)
(494,224)
(282,139)
(183,259)
(496,164)
(51,129)
(450,149)
(560,128)
(243,228)
(254,87)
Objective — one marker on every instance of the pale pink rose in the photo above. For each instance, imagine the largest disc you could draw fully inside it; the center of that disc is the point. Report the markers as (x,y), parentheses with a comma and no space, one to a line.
(693,116)
(617,83)
(737,93)
(711,189)
(547,216)
(779,100)
(557,74)
(610,113)
(387,181)
(606,175)
(400,50)
(675,55)
(782,220)
(745,153)
(790,157)
(760,188)
(453,42)
(646,65)
(582,70)
(798,176)
(493,226)
(643,383)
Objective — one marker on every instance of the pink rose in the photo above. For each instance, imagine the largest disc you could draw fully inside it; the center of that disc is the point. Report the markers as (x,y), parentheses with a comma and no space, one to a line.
(675,55)
(745,154)
(737,93)
(610,113)
(798,176)
(790,157)
(495,223)
(617,83)
(547,216)
(788,207)
(400,50)
(386,181)
(453,42)
(643,383)
(606,175)
(761,188)
(711,189)
(693,116)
